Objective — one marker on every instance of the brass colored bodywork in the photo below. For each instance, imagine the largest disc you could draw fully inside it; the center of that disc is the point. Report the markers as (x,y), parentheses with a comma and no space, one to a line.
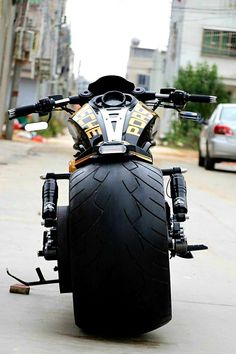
(72,167)
(139,119)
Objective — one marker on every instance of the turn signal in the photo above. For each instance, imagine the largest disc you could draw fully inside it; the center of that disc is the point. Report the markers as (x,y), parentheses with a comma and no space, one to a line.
(223,130)
(72,166)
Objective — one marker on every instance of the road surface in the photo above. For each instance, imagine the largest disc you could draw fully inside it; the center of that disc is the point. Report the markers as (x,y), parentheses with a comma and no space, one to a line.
(203,289)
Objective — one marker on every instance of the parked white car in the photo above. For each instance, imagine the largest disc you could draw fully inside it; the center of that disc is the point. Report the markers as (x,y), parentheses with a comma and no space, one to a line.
(218,137)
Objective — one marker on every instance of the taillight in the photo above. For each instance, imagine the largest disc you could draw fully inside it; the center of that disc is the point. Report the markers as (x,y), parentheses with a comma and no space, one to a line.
(223,129)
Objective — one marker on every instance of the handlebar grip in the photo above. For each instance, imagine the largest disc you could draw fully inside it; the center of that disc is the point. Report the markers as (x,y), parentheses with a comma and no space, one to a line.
(202,98)
(149,96)
(21,111)
(144,95)
(75,99)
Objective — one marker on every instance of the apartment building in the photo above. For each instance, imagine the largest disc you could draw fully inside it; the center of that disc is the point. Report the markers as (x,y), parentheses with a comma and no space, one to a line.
(35,42)
(48,69)
(203,31)
(146,66)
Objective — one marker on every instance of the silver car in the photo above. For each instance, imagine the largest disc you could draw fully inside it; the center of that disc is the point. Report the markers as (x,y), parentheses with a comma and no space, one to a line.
(218,138)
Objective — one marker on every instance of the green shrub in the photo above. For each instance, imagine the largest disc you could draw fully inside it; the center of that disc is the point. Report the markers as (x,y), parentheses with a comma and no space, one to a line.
(202,80)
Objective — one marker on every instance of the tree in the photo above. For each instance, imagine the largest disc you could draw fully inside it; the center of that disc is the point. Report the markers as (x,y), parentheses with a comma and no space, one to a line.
(202,80)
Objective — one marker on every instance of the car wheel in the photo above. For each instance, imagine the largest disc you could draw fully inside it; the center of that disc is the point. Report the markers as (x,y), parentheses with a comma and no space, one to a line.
(209,162)
(201,159)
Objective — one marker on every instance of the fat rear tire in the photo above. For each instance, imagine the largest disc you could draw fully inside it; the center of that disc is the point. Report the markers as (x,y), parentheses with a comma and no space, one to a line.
(63,252)
(119,249)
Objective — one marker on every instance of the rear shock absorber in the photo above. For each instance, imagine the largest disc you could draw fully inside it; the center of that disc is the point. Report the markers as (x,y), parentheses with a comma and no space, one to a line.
(49,197)
(49,214)
(178,194)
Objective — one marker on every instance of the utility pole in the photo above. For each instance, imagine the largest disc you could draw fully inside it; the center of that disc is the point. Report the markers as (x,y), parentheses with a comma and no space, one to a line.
(20,24)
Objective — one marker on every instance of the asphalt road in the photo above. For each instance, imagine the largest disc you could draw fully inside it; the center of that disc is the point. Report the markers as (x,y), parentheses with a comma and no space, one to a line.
(203,289)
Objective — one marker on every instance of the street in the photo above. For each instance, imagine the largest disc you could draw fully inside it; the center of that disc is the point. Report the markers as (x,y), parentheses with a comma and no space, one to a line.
(203,289)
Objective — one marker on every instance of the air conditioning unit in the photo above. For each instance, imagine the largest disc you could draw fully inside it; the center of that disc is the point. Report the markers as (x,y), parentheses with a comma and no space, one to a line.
(43,68)
(24,45)
(28,70)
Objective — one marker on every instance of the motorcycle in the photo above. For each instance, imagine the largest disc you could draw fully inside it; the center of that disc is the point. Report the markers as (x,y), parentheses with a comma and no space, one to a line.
(113,240)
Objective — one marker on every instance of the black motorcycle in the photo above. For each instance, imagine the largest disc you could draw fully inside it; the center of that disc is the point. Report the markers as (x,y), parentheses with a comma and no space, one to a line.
(112,242)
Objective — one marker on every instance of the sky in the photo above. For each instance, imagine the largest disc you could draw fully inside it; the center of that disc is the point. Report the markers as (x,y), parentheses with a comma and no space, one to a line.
(102,31)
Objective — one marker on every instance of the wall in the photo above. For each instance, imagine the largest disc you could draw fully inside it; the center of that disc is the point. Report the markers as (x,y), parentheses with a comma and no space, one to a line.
(140,63)
(213,15)
(188,19)
(7,13)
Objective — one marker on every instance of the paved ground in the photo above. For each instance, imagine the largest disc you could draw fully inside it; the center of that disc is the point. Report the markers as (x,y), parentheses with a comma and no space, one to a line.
(203,289)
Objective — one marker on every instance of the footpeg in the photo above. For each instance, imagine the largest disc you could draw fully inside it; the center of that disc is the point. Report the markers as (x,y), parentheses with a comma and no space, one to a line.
(191,248)
(187,255)
(179,247)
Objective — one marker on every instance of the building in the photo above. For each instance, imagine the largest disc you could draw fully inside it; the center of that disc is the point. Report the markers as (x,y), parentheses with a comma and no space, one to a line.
(48,70)
(65,83)
(7,15)
(203,31)
(146,66)
(82,84)
(36,59)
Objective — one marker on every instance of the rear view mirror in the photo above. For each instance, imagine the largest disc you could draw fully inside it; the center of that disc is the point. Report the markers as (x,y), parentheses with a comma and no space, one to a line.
(196,117)
(31,127)
(189,115)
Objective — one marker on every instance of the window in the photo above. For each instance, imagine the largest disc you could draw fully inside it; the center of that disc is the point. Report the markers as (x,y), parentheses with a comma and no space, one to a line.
(143,52)
(143,81)
(222,43)
(228,114)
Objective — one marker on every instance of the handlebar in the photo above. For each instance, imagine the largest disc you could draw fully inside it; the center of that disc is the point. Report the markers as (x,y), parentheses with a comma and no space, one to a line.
(46,105)
(181,98)
(202,98)
(21,111)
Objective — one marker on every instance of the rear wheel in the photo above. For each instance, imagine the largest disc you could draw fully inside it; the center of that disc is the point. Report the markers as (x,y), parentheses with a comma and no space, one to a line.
(119,249)
(63,252)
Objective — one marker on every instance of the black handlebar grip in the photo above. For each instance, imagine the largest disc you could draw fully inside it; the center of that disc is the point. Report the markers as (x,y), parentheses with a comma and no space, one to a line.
(75,99)
(149,96)
(144,95)
(202,98)
(21,111)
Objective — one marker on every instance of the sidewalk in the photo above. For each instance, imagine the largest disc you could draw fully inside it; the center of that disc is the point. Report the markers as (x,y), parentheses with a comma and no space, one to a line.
(165,152)
(11,150)
(19,148)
